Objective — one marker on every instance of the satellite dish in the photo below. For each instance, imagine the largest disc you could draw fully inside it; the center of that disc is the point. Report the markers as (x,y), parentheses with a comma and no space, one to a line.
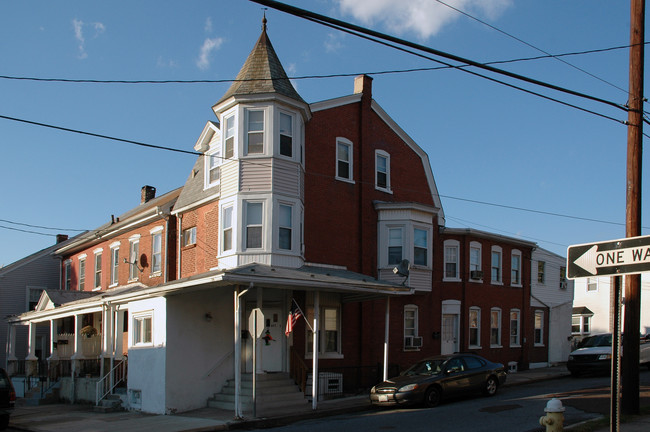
(402,269)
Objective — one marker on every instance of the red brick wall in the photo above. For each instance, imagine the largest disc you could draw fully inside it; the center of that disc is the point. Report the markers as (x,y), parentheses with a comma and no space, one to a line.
(202,256)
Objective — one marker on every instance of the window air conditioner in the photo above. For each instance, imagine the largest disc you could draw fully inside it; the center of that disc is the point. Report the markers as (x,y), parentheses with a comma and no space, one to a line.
(476,274)
(412,342)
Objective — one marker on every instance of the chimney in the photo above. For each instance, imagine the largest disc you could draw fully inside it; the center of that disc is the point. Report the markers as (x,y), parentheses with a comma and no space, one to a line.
(147,194)
(61,238)
(363,84)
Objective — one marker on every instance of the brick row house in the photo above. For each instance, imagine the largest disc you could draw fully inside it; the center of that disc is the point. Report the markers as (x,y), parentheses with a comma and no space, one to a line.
(329,206)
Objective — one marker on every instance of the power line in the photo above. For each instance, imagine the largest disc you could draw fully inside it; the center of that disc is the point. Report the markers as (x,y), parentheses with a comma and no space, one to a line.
(40,227)
(358,31)
(27,231)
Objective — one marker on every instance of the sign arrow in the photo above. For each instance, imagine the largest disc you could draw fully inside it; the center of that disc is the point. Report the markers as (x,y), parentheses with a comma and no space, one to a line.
(587,261)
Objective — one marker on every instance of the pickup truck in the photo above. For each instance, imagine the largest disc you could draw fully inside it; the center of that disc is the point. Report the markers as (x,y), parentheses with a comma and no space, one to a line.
(7,399)
(594,355)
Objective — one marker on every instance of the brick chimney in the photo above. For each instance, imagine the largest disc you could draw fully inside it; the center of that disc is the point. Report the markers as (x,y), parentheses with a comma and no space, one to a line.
(147,194)
(363,84)
(61,238)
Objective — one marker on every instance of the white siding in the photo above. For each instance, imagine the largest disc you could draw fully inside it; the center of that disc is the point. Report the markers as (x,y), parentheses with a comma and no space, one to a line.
(229,179)
(288,178)
(255,175)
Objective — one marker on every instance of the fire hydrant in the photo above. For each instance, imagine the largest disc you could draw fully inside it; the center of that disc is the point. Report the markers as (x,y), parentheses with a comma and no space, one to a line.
(554,418)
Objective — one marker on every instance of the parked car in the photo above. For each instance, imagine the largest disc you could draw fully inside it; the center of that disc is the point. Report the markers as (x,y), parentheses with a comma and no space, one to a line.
(429,381)
(7,399)
(594,355)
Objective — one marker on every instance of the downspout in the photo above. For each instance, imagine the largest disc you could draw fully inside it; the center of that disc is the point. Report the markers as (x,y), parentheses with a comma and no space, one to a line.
(178,246)
(167,248)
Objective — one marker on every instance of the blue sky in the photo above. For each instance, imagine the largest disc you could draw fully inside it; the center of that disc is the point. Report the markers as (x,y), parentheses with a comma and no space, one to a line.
(486,142)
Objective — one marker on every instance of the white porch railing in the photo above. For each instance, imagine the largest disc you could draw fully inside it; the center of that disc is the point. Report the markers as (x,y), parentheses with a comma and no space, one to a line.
(109,381)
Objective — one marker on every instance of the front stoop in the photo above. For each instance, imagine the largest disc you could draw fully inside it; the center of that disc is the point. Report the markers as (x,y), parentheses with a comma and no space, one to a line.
(33,397)
(275,392)
(112,402)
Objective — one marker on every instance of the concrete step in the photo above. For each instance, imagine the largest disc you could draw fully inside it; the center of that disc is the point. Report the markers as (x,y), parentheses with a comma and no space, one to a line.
(111,403)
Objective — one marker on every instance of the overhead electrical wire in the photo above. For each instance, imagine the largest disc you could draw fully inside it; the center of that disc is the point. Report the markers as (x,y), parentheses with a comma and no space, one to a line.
(40,227)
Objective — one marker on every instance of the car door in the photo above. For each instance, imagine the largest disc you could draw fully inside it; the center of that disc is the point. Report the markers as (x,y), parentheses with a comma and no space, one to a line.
(456,380)
(475,372)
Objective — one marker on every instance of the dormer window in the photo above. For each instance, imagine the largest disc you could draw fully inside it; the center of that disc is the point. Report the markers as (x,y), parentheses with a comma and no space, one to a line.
(255,131)
(214,162)
(286,135)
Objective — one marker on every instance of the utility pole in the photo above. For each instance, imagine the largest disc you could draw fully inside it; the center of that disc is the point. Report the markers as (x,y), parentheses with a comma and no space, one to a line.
(630,363)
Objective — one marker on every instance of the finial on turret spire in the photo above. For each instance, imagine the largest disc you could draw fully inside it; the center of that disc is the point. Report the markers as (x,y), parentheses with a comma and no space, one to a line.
(264,20)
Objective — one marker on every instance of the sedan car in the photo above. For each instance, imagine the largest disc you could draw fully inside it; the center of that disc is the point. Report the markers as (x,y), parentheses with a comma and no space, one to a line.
(7,399)
(429,381)
(594,355)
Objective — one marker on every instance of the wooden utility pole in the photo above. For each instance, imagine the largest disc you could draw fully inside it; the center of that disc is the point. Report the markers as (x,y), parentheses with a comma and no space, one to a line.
(630,363)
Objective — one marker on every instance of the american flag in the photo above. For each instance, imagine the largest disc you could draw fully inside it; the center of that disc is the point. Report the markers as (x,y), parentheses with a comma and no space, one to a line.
(294,314)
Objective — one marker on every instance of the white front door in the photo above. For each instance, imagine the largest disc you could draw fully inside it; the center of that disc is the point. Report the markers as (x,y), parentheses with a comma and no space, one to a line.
(272,340)
(449,339)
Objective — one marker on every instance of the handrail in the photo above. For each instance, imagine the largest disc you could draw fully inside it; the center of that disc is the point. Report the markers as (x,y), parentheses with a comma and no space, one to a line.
(218,363)
(107,381)
(298,369)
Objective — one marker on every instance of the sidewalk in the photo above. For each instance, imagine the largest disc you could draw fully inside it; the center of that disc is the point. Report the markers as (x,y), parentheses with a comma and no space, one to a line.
(71,418)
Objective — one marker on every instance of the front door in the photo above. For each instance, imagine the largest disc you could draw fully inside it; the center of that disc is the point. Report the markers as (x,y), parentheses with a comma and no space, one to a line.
(272,340)
(449,342)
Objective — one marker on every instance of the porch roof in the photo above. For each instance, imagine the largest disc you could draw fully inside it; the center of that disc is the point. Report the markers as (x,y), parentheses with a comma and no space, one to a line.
(353,287)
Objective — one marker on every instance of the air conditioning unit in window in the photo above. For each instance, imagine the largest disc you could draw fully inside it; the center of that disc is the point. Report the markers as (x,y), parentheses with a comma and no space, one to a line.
(412,342)
(476,275)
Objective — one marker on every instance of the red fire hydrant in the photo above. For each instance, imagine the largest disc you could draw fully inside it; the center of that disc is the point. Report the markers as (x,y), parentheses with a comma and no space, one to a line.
(554,418)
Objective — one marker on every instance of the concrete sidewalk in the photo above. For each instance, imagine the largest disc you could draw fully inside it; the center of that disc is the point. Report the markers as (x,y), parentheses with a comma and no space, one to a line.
(69,418)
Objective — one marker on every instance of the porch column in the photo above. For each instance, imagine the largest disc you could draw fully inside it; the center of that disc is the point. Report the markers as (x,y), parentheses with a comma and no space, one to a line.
(386,328)
(314,375)
(78,354)
(31,342)
(54,355)
(107,331)
(119,338)
(11,342)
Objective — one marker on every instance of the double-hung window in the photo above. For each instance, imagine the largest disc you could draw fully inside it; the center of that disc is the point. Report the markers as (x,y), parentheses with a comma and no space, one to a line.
(68,274)
(82,273)
(213,167)
(395,244)
(255,131)
(495,327)
(134,255)
(382,170)
(156,252)
(98,270)
(410,326)
(226,226)
(420,247)
(115,262)
(254,225)
(475,257)
(515,268)
(474,327)
(496,265)
(189,236)
(514,327)
(285,227)
(286,135)
(329,333)
(343,159)
(229,137)
(451,259)
(539,328)
(541,272)
(142,329)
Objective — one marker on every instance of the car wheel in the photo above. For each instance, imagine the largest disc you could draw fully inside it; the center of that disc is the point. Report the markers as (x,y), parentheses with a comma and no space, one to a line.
(491,386)
(4,421)
(432,397)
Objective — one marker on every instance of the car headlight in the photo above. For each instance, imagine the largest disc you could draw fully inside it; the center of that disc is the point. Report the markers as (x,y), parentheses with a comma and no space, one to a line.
(605,357)
(372,390)
(407,388)
(570,357)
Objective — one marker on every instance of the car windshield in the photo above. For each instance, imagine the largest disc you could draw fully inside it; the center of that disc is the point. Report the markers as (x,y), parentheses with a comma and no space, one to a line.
(426,367)
(597,341)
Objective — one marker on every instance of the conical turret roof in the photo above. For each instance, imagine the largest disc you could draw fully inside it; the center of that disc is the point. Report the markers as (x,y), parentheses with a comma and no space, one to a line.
(262,73)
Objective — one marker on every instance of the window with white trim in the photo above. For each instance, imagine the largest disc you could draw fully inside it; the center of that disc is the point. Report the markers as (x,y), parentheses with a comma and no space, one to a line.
(286,135)
(343,159)
(395,245)
(410,326)
(143,329)
(329,332)
(474,256)
(254,131)
(541,272)
(68,274)
(495,266)
(285,227)
(115,262)
(539,328)
(515,315)
(33,296)
(229,137)
(382,170)
(156,252)
(213,166)
(82,273)
(592,284)
(452,252)
(254,217)
(226,229)
(189,236)
(495,327)
(98,270)
(420,247)
(475,327)
(134,258)
(515,268)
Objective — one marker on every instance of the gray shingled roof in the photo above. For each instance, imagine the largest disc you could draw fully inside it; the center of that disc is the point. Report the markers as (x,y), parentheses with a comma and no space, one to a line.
(262,73)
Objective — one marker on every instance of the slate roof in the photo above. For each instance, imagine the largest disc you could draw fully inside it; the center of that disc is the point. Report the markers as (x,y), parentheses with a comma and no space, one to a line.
(262,73)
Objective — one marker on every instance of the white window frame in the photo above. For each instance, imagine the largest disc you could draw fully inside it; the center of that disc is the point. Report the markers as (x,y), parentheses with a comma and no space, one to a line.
(515,317)
(344,142)
(291,134)
(139,330)
(470,327)
(411,310)
(248,224)
(248,132)
(134,252)
(451,245)
(97,273)
(516,254)
(475,248)
(229,133)
(115,264)
(496,251)
(322,333)
(189,236)
(584,323)
(394,242)
(425,248)
(213,161)
(538,341)
(67,267)
(495,328)
(81,282)
(156,255)
(33,290)
(541,272)
(283,227)
(227,227)
(381,154)
(591,281)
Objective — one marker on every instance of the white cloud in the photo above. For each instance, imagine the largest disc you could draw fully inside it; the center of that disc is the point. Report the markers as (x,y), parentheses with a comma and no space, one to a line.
(78,26)
(333,42)
(209,45)
(208,25)
(424,18)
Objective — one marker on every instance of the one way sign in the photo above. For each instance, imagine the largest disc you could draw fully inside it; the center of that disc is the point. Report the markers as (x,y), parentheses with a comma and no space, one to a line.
(615,257)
